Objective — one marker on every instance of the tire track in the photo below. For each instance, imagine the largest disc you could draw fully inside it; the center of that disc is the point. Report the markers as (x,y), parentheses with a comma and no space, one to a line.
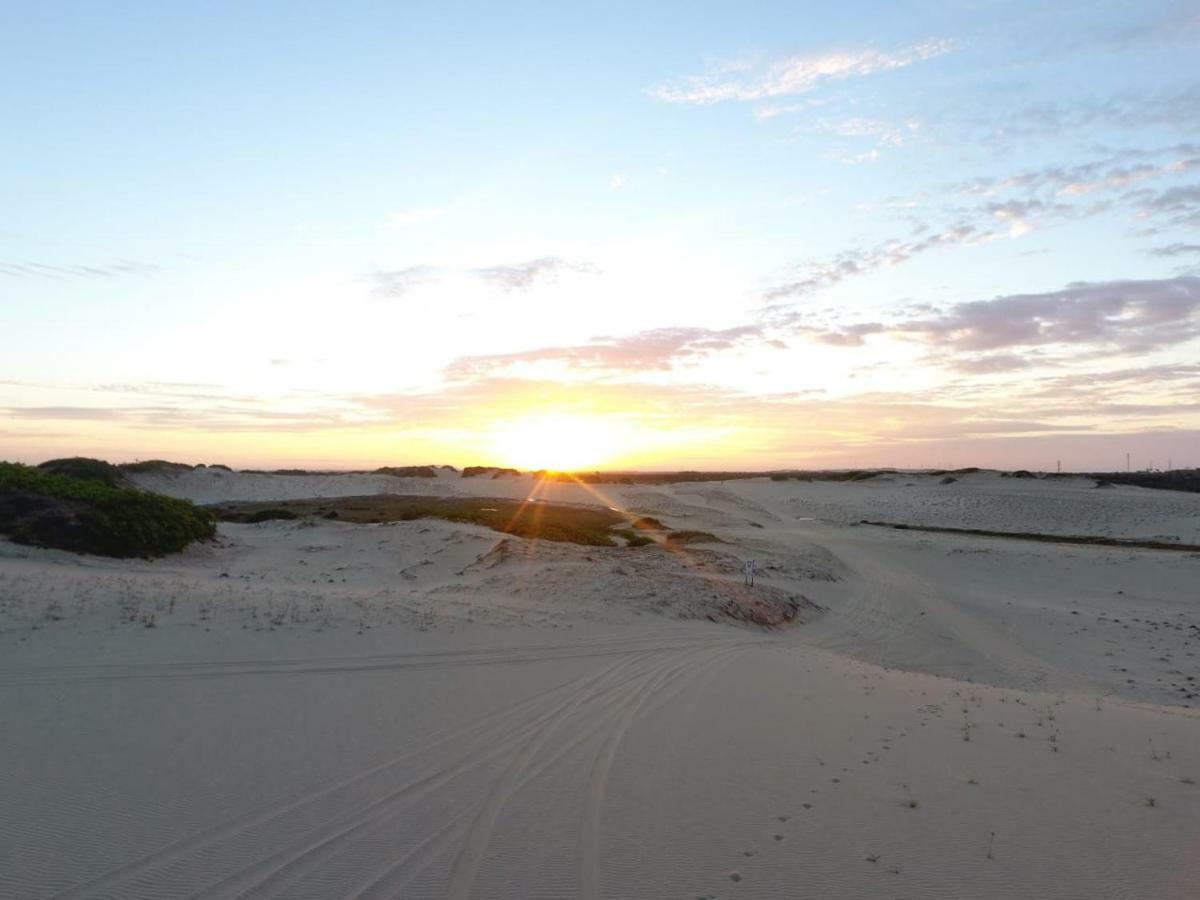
(334,835)
(588,863)
(268,815)
(465,870)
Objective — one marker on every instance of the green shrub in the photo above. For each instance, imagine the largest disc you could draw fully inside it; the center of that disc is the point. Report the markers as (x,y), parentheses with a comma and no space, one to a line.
(155,465)
(632,538)
(86,468)
(49,509)
(407,471)
(267,515)
(693,537)
(590,525)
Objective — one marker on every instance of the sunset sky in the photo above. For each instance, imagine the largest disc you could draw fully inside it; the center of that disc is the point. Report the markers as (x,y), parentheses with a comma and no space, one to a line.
(698,235)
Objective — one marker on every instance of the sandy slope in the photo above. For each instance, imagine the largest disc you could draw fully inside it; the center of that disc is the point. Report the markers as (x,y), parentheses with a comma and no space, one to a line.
(429,710)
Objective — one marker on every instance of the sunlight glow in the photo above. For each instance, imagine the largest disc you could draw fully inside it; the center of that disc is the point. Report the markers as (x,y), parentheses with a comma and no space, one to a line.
(561,442)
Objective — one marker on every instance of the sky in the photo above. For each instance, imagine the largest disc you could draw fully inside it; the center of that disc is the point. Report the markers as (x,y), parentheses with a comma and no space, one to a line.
(653,236)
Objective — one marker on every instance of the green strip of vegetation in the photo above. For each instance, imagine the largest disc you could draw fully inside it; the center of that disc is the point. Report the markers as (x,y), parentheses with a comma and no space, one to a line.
(46,508)
(1086,539)
(591,525)
(692,537)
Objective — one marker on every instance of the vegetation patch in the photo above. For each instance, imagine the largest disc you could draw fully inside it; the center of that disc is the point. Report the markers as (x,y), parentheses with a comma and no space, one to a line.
(495,472)
(85,469)
(46,508)
(590,525)
(632,538)
(270,514)
(832,475)
(692,537)
(1088,539)
(161,466)
(407,471)
(1175,480)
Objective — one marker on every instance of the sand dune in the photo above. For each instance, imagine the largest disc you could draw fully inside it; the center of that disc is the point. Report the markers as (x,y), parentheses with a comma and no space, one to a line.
(428,709)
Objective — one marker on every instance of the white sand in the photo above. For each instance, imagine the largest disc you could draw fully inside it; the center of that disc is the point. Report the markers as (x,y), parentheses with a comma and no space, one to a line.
(434,710)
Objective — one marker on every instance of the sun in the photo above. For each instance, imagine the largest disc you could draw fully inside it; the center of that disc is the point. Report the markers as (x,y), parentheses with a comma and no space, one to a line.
(559,442)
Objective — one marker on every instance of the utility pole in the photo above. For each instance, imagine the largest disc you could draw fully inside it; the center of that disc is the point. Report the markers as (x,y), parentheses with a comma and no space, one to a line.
(1127,469)
(1060,467)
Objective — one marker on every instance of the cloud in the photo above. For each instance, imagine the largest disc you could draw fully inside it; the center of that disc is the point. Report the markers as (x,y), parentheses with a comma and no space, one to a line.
(1178,249)
(520,276)
(1178,110)
(260,416)
(108,270)
(1132,316)
(617,182)
(399,283)
(1110,172)
(991,364)
(845,265)
(850,335)
(1177,205)
(794,74)
(659,349)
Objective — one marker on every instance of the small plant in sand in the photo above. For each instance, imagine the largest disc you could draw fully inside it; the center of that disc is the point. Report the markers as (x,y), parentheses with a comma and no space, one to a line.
(912,801)
(991,840)
(1151,802)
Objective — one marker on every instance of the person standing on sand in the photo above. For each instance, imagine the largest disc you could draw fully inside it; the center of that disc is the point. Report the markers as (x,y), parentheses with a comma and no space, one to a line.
(748,570)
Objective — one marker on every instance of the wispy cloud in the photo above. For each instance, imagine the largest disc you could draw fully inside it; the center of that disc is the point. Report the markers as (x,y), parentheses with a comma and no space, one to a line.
(1177,110)
(105,270)
(658,349)
(1131,317)
(826,273)
(1176,249)
(793,75)
(520,276)
(398,283)
(1174,206)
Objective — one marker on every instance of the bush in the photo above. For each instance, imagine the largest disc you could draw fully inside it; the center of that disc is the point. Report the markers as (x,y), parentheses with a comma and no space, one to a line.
(155,465)
(590,525)
(407,471)
(85,468)
(693,537)
(632,538)
(86,515)
(267,515)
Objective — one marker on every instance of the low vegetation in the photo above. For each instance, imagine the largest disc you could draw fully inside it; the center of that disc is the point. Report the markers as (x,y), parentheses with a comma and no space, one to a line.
(158,466)
(79,505)
(85,469)
(407,471)
(493,471)
(1176,480)
(1087,539)
(591,525)
(692,537)
(835,475)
